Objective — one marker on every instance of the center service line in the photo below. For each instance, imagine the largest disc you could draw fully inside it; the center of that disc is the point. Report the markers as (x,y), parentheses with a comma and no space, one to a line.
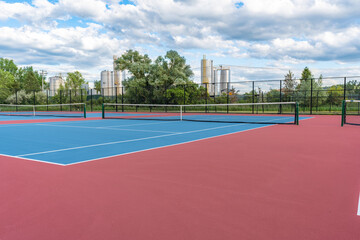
(358,213)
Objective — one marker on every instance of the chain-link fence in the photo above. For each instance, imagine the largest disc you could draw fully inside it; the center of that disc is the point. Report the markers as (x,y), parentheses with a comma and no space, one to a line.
(315,96)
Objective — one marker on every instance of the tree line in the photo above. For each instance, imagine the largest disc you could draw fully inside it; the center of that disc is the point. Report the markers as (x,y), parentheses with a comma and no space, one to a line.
(25,81)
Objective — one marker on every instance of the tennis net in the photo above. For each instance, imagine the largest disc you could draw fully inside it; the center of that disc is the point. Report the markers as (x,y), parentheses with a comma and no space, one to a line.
(271,113)
(54,110)
(350,112)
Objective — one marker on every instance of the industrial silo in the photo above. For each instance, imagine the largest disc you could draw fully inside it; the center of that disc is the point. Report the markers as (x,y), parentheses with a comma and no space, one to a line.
(107,82)
(224,80)
(206,73)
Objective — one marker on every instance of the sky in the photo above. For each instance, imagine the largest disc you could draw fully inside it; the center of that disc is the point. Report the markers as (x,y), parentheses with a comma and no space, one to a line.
(258,39)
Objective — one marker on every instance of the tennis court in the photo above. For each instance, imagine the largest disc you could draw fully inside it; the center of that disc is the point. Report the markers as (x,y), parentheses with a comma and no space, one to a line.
(78,141)
(131,176)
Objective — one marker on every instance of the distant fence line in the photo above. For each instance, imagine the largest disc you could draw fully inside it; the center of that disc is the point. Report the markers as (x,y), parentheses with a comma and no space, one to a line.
(312,97)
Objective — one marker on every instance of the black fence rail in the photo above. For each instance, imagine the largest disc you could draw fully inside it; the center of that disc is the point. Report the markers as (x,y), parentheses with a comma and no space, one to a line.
(315,96)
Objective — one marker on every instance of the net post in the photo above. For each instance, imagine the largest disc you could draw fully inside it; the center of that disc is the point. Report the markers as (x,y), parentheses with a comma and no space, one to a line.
(84,110)
(34,113)
(343,112)
(103,110)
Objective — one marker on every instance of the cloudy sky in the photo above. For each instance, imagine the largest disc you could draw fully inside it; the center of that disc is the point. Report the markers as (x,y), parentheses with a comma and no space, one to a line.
(259,39)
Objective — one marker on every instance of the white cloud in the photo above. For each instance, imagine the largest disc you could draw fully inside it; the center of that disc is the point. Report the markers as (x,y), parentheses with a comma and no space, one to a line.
(284,31)
(83,8)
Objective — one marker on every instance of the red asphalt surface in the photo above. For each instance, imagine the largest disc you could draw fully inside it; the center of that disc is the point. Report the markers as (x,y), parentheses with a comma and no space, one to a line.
(279,182)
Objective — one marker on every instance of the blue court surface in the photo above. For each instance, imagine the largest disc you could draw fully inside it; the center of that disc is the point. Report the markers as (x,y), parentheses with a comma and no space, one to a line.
(73,142)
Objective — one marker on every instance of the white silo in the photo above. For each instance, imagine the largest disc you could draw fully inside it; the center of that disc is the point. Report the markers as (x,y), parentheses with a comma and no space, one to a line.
(107,82)
(54,84)
(224,80)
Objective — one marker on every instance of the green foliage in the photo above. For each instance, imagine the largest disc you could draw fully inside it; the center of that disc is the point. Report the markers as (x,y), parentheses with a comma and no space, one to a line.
(248,97)
(289,84)
(304,88)
(353,88)
(23,97)
(335,95)
(273,95)
(97,86)
(74,80)
(7,81)
(158,81)
(31,81)
(8,65)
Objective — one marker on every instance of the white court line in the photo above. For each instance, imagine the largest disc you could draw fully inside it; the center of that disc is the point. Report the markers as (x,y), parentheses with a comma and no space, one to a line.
(132,140)
(35,160)
(136,130)
(358,212)
(106,128)
(174,144)
(137,124)
(124,141)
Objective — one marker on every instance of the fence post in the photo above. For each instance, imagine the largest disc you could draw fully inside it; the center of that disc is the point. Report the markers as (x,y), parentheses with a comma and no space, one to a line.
(280,96)
(317,101)
(70,99)
(122,98)
(91,100)
(116,99)
(184,86)
(206,96)
(311,96)
(16,96)
(344,88)
(253,95)
(34,97)
(227,98)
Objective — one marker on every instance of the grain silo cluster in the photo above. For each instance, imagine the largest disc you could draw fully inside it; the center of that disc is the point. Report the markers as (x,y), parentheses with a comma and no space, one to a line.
(210,77)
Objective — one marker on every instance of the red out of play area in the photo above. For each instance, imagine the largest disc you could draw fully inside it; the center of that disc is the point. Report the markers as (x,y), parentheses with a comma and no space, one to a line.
(277,182)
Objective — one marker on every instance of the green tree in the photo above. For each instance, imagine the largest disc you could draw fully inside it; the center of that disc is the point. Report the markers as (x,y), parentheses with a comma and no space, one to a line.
(31,81)
(155,82)
(335,95)
(7,80)
(353,89)
(304,88)
(74,81)
(273,95)
(28,79)
(97,85)
(289,84)
(8,65)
